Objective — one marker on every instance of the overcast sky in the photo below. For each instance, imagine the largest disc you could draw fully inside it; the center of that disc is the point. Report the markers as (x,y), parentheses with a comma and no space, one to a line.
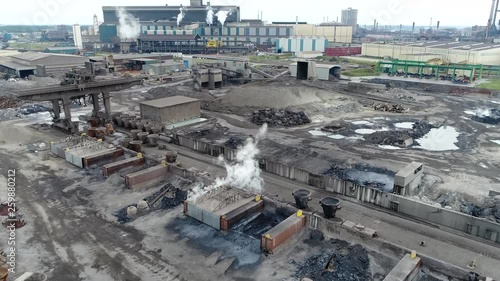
(387,12)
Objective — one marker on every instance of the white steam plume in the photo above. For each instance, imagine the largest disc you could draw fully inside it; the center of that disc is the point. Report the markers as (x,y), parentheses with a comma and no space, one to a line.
(244,173)
(222,16)
(210,15)
(129,26)
(181,15)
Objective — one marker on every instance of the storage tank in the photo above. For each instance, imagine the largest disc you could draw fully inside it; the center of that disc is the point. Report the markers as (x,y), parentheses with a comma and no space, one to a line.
(302,196)
(330,206)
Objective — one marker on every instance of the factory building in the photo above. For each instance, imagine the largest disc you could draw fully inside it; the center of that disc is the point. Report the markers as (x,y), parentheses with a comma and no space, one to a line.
(62,50)
(160,32)
(30,63)
(77,36)
(301,44)
(333,33)
(350,18)
(197,12)
(453,52)
(171,110)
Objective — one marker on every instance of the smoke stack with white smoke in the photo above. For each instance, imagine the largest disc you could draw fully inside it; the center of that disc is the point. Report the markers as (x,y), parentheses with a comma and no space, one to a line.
(181,15)
(129,26)
(210,15)
(222,16)
(244,173)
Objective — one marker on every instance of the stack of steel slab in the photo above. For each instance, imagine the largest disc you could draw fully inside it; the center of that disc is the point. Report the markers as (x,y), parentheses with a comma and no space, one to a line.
(282,232)
(76,155)
(117,166)
(212,210)
(231,218)
(102,157)
(146,178)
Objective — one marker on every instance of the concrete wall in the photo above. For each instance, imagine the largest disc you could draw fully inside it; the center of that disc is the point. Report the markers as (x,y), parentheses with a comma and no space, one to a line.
(452,219)
(334,229)
(172,114)
(428,87)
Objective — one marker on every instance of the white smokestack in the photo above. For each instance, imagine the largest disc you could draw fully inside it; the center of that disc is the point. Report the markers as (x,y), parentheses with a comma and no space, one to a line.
(129,26)
(180,16)
(210,15)
(222,16)
(243,173)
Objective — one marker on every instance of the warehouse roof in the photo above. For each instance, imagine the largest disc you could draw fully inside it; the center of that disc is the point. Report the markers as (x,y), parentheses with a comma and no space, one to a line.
(61,48)
(170,101)
(453,45)
(29,60)
(131,56)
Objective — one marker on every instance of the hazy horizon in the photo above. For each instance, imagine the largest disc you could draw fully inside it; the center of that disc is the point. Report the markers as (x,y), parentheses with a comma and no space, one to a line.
(387,12)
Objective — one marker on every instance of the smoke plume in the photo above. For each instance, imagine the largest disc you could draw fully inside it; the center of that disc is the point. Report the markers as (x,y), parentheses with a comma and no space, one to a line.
(244,173)
(222,16)
(181,15)
(129,26)
(210,15)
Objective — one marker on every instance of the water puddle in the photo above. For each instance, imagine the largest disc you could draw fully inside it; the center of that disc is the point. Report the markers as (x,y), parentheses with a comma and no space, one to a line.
(389,147)
(318,133)
(364,131)
(404,125)
(362,122)
(337,137)
(440,139)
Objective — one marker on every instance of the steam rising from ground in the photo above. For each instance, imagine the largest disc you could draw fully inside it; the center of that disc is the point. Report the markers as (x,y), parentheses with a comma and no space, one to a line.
(222,16)
(128,27)
(243,173)
(181,15)
(210,15)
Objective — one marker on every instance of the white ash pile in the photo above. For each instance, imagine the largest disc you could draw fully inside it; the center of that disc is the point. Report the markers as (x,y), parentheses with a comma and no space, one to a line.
(279,117)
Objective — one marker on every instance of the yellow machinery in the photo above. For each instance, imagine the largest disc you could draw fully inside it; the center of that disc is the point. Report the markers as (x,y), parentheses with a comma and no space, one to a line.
(214,44)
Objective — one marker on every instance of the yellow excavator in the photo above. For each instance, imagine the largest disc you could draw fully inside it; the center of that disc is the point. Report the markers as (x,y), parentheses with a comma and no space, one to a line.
(214,44)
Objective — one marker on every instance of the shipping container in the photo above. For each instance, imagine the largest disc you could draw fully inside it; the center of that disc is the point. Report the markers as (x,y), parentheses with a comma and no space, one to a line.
(342,51)
(115,167)
(282,232)
(231,218)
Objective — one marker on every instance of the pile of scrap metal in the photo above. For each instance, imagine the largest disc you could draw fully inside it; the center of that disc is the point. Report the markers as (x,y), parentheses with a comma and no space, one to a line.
(14,218)
(78,76)
(395,108)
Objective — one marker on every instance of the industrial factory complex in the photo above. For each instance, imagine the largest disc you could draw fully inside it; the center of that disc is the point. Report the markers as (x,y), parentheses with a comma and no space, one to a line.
(189,143)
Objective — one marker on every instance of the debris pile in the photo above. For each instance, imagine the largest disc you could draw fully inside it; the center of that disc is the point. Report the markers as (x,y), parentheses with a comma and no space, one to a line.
(174,196)
(279,118)
(95,173)
(420,129)
(234,142)
(395,138)
(395,108)
(364,175)
(344,262)
(489,116)
(6,102)
(33,108)
(400,138)
(489,208)
(333,128)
